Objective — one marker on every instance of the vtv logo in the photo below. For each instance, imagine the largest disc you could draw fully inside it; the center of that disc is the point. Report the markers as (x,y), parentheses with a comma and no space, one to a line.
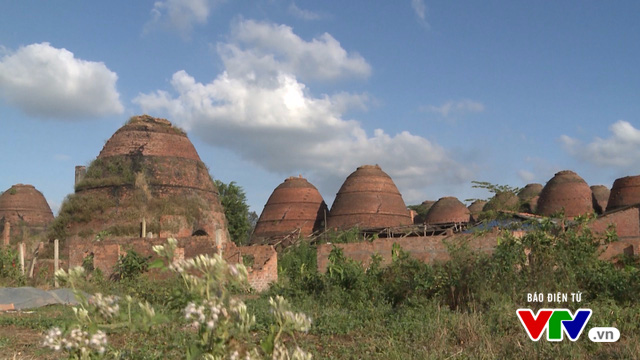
(556,321)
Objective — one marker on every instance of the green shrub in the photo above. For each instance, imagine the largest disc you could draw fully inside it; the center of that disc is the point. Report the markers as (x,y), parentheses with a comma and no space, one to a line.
(131,265)
(297,266)
(405,277)
(10,268)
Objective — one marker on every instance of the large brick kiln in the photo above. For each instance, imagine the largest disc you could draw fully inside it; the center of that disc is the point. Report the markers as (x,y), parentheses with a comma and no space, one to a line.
(294,209)
(368,198)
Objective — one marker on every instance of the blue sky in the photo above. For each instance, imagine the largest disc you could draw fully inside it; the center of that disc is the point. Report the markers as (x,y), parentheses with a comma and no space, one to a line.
(439,93)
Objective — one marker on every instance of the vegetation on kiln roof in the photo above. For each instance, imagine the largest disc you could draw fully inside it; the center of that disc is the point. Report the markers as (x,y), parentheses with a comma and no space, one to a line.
(158,123)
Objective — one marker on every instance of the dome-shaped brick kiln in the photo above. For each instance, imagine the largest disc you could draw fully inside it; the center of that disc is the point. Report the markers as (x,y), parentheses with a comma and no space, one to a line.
(567,192)
(529,196)
(24,212)
(600,198)
(427,204)
(422,210)
(147,170)
(504,200)
(448,210)
(476,209)
(624,192)
(368,198)
(294,208)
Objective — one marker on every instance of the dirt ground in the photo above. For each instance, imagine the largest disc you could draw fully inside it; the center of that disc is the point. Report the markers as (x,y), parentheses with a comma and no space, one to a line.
(22,343)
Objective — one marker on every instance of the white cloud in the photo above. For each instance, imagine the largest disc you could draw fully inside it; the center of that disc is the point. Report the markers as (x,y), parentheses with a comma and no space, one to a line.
(453,109)
(620,150)
(180,15)
(420,8)
(526,176)
(261,50)
(48,82)
(270,118)
(303,13)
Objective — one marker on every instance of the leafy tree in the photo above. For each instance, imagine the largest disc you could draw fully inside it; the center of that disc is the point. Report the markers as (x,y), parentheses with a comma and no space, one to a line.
(236,210)
(493,188)
(253,221)
(421,210)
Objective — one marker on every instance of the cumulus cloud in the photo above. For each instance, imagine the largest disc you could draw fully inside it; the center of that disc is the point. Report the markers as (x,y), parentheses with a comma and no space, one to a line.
(263,50)
(269,117)
(303,13)
(620,150)
(180,15)
(44,81)
(453,109)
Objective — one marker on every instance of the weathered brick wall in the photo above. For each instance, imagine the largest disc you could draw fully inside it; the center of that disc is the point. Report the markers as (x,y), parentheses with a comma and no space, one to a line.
(208,220)
(263,272)
(626,221)
(428,249)
(106,252)
(627,226)
(45,268)
(433,248)
(174,225)
(150,143)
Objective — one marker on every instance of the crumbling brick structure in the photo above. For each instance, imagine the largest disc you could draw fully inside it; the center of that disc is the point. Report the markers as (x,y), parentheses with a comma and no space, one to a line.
(261,262)
(625,222)
(147,178)
(262,269)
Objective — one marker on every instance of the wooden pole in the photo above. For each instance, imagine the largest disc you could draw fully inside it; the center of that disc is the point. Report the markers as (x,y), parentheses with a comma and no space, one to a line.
(325,220)
(144,227)
(34,258)
(219,241)
(55,261)
(21,251)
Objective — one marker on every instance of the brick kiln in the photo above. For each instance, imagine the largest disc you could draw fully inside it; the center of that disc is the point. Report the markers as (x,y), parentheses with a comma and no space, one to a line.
(294,209)
(147,178)
(600,198)
(476,208)
(567,192)
(368,199)
(504,200)
(448,210)
(624,192)
(24,213)
(529,196)
(422,211)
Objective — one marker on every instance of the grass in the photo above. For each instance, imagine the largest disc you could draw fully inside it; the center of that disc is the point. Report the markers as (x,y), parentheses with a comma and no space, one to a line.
(460,309)
(419,329)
